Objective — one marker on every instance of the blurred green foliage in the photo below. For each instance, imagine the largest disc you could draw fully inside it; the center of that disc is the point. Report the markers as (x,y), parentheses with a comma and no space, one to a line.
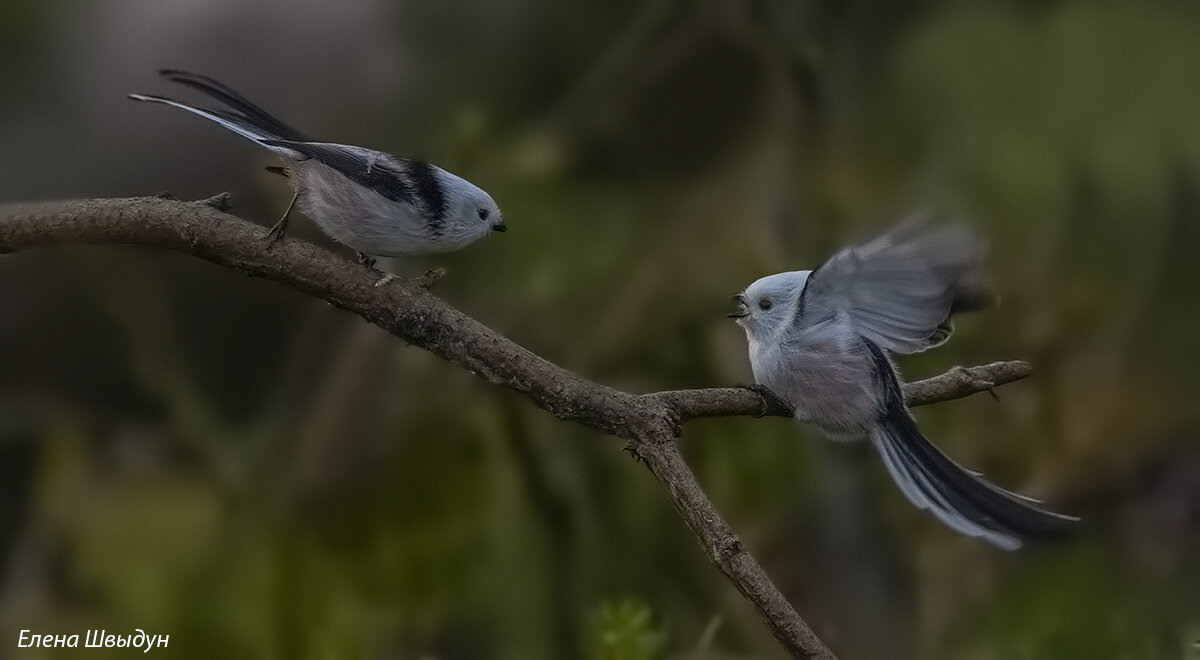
(258,475)
(624,630)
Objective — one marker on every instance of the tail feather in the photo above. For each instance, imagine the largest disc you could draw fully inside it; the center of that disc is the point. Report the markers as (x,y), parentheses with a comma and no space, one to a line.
(253,114)
(230,120)
(956,496)
(960,515)
(959,497)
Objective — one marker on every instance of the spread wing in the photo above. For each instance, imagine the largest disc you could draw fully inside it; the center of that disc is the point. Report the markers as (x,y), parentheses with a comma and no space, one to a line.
(900,288)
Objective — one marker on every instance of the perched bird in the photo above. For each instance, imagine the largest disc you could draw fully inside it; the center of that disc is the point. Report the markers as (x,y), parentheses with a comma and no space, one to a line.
(376,203)
(821,339)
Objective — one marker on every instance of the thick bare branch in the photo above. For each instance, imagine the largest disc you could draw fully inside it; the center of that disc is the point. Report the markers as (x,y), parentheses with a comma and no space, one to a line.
(649,422)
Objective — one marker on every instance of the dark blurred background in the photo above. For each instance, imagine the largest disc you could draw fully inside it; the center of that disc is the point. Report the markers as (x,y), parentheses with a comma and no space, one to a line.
(192,452)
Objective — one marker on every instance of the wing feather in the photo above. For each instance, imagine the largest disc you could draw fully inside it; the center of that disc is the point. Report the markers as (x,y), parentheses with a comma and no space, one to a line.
(371,169)
(900,288)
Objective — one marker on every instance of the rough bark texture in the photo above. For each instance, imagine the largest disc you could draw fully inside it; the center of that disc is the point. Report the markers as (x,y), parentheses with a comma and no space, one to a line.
(648,422)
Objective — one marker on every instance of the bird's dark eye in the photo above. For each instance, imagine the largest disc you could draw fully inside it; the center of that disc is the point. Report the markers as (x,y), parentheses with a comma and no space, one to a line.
(483,214)
(764,304)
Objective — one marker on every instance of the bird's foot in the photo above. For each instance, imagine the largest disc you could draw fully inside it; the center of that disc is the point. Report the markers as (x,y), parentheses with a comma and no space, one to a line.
(362,258)
(675,421)
(276,231)
(770,400)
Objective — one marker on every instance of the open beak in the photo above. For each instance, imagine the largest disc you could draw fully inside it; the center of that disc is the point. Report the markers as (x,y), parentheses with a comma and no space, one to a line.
(499,226)
(742,311)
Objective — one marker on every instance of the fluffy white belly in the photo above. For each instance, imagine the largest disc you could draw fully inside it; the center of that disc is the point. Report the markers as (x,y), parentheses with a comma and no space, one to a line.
(360,218)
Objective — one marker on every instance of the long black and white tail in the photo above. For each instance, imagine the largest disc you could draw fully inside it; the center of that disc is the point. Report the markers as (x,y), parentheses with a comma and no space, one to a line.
(958,497)
(256,116)
(243,117)
(230,120)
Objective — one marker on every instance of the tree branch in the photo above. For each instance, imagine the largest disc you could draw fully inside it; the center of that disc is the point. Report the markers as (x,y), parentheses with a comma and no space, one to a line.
(957,383)
(649,422)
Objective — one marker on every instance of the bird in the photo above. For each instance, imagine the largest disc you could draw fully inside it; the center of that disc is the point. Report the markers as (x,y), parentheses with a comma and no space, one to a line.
(822,341)
(378,204)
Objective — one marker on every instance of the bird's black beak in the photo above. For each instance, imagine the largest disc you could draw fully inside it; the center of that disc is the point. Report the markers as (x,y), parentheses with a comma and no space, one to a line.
(742,311)
(499,226)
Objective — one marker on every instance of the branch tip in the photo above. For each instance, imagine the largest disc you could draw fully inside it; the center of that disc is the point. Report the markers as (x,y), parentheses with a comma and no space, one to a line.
(221,201)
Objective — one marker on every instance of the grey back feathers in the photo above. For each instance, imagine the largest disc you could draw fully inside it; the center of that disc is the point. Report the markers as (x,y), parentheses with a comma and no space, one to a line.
(374,202)
(400,180)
